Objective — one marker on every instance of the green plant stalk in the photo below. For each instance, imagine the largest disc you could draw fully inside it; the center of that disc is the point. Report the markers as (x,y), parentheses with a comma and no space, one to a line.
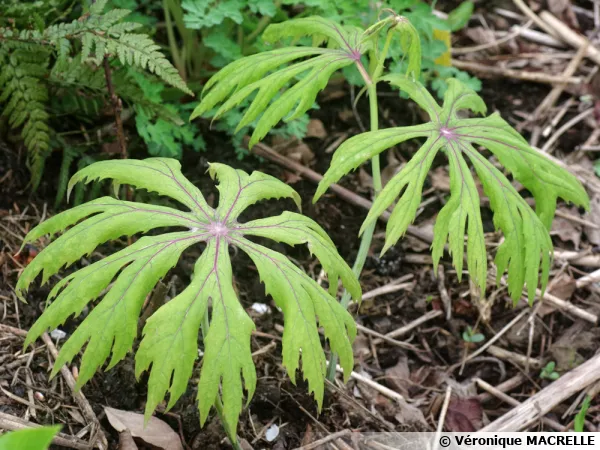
(379,67)
(177,57)
(367,236)
(189,57)
(219,403)
(261,25)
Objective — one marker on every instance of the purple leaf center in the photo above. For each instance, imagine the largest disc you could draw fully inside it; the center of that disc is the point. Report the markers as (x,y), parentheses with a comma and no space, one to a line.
(355,54)
(448,133)
(218,229)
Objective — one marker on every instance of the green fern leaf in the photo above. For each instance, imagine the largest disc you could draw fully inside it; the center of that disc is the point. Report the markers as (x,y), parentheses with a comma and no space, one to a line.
(98,6)
(169,345)
(104,34)
(24,95)
(202,14)
(527,245)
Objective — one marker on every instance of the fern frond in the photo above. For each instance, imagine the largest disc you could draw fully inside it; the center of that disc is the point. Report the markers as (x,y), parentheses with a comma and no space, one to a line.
(76,77)
(102,34)
(169,344)
(24,95)
(527,245)
(73,73)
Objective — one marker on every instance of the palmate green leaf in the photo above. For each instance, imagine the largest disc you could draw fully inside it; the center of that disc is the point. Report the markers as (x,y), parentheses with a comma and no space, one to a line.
(294,292)
(410,43)
(527,246)
(262,77)
(169,344)
(268,72)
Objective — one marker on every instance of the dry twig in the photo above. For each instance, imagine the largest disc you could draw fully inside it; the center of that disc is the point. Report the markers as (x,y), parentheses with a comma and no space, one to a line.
(530,411)
(572,38)
(536,77)
(511,401)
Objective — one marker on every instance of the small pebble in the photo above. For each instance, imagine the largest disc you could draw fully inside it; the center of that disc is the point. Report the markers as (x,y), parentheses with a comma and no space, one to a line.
(272,433)
(260,308)
(58,334)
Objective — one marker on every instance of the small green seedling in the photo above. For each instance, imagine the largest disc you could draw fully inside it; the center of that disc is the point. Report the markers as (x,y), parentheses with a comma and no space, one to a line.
(580,417)
(548,372)
(169,344)
(29,438)
(470,336)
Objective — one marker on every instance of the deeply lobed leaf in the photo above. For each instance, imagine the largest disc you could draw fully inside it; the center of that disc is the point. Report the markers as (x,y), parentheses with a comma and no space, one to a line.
(302,300)
(527,245)
(169,344)
(114,218)
(267,73)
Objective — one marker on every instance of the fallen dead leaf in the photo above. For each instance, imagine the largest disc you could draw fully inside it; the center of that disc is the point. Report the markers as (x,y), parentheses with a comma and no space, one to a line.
(398,376)
(563,10)
(419,245)
(427,377)
(409,414)
(360,347)
(567,230)
(365,181)
(565,351)
(111,148)
(76,416)
(290,177)
(366,391)
(480,35)
(518,334)
(346,115)
(126,441)
(593,234)
(440,179)
(292,148)
(156,432)
(391,169)
(245,445)
(316,129)
(562,286)
(465,415)
(296,150)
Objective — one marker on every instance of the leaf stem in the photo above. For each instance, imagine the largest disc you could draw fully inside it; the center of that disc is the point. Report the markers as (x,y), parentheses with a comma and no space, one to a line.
(178,60)
(117,108)
(218,402)
(367,236)
(261,25)
(381,59)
